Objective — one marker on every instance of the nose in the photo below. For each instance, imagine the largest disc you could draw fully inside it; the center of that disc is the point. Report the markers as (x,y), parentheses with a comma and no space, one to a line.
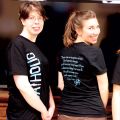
(37,20)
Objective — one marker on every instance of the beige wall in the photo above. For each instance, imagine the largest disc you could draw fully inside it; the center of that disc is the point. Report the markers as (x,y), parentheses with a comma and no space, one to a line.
(102,11)
(10,25)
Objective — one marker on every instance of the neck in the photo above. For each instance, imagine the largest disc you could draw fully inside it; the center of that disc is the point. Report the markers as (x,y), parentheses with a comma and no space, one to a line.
(79,39)
(28,36)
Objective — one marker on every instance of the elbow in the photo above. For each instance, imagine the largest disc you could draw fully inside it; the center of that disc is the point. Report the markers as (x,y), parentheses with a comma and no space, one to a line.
(61,87)
(105,90)
(22,83)
(22,89)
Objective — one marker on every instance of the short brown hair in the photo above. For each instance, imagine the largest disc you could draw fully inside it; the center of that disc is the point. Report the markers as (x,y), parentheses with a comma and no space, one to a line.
(27,6)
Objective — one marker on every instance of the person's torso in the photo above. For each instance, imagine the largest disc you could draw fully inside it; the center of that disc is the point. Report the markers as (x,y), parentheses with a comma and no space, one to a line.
(37,70)
(80,95)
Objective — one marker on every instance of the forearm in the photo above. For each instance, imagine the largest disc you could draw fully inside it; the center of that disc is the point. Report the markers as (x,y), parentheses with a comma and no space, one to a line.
(28,93)
(60,81)
(51,105)
(116,102)
(33,99)
(103,88)
(51,100)
(104,96)
(116,107)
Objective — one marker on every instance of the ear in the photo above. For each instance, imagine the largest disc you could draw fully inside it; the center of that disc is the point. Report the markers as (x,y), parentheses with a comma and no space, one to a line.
(22,21)
(79,31)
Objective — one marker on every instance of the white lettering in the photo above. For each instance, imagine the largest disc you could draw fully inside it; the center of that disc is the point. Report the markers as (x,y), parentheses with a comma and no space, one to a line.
(30,56)
(35,72)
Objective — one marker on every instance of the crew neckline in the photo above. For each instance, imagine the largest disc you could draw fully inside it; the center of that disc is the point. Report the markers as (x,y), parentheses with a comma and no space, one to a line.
(26,39)
(82,43)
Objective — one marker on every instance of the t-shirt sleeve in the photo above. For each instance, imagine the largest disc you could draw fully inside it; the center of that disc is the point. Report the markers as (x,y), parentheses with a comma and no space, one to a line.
(98,62)
(16,60)
(116,73)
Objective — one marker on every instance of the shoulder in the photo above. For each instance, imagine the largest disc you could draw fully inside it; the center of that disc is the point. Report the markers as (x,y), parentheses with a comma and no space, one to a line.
(18,42)
(82,48)
(63,50)
(95,56)
(92,51)
(89,49)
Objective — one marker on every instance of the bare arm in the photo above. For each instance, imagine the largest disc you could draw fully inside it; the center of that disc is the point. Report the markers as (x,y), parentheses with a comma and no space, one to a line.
(116,102)
(103,87)
(51,105)
(60,81)
(29,95)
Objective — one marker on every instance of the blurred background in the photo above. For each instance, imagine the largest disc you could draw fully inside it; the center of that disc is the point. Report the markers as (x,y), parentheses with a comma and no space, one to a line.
(50,41)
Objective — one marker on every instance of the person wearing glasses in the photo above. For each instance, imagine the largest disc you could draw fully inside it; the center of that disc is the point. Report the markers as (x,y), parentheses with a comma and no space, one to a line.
(82,73)
(30,96)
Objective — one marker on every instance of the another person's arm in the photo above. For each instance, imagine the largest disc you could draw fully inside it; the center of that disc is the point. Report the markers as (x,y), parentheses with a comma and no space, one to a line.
(103,87)
(51,104)
(29,95)
(60,81)
(116,102)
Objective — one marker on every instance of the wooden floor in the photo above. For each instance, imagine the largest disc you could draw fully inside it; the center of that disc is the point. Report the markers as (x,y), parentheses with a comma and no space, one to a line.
(3,105)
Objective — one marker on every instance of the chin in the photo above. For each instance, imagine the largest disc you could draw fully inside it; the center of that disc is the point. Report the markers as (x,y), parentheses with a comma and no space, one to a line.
(94,42)
(36,33)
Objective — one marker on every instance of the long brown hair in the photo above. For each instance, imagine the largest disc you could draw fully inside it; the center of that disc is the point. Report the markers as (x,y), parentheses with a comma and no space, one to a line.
(75,22)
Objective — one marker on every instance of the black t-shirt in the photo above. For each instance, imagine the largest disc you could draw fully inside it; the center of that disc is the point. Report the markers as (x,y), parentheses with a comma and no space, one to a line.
(25,58)
(116,74)
(79,65)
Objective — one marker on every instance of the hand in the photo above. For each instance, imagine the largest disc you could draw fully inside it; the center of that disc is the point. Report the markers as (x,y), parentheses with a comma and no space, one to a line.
(51,112)
(45,115)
